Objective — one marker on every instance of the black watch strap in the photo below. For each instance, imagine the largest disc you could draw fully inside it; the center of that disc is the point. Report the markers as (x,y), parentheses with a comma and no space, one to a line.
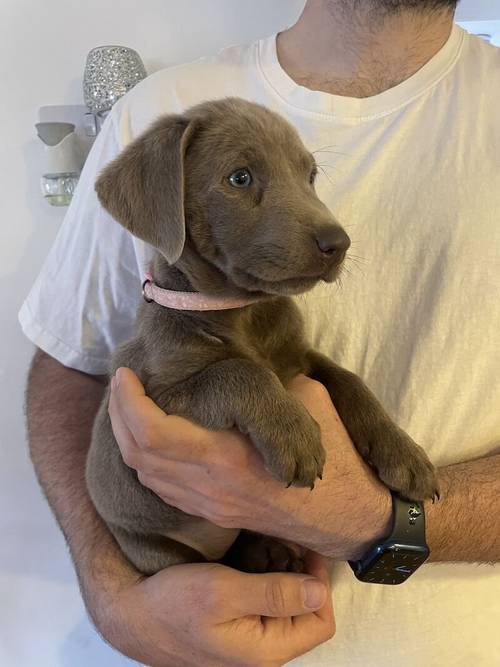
(395,558)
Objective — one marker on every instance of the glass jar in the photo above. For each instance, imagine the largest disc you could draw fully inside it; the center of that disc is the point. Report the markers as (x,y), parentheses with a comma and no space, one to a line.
(58,189)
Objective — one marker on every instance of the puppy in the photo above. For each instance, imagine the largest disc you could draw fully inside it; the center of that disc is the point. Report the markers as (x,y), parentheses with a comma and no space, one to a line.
(225,194)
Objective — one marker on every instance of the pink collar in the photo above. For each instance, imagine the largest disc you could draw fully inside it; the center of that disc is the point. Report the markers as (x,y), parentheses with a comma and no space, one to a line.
(189,300)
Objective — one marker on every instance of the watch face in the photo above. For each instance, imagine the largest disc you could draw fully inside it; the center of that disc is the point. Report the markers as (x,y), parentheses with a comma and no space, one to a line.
(391,564)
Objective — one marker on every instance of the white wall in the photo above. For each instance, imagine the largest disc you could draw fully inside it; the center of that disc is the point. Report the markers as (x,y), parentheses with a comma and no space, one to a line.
(478,10)
(42,54)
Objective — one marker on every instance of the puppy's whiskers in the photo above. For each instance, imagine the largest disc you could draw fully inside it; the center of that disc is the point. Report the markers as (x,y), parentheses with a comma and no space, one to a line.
(355,264)
(325,149)
(320,166)
(360,261)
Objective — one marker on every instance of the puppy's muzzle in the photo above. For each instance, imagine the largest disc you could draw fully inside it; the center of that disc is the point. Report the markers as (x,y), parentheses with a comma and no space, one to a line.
(332,243)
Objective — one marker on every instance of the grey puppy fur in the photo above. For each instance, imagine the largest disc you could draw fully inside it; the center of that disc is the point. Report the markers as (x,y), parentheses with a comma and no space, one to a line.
(262,232)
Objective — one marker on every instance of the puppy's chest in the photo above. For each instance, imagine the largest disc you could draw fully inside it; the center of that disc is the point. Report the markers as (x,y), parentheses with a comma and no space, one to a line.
(276,343)
(286,363)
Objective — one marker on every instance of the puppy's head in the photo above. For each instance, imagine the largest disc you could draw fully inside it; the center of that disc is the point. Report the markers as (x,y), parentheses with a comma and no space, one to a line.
(231,183)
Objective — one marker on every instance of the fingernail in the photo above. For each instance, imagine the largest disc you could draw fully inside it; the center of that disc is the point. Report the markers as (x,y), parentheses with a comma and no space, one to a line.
(113,383)
(117,378)
(314,593)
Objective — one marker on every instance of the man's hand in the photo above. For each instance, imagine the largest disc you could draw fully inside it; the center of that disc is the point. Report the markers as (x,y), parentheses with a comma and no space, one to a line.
(211,615)
(220,476)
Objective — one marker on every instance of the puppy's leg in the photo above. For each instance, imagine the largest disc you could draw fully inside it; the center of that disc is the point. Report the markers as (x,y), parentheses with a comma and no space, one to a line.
(239,392)
(152,553)
(152,534)
(252,552)
(400,463)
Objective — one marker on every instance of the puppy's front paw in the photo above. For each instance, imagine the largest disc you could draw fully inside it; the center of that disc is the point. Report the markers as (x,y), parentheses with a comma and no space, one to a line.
(401,464)
(292,446)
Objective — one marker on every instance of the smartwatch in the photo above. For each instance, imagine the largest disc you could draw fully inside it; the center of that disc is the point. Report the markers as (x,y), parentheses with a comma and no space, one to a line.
(394,559)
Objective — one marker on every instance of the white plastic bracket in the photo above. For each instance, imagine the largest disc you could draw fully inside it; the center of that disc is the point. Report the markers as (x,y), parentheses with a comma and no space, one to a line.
(78,115)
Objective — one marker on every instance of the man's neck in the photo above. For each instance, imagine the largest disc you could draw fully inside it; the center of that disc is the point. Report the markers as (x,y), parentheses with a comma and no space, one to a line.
(353,49)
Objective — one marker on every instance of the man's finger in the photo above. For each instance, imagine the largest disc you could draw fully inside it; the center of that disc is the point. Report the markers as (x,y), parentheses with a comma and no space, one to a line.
(123,436)
(149,425)
(306,625)
(274,594)
(314,564)
(176,494)
(130,399)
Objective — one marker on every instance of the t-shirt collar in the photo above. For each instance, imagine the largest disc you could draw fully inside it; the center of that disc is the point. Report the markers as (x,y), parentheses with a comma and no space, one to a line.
(351,108)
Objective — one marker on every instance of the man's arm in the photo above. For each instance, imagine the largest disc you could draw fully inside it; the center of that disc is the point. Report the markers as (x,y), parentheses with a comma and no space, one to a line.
(222,608)
(220,476)
(61,404)
(465,524)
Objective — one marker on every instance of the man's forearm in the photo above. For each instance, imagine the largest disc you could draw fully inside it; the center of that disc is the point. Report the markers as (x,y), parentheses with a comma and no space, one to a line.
(61,404)
(465,524)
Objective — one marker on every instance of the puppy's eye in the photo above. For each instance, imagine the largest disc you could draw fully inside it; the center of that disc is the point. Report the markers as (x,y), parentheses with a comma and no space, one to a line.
(313,175)
(241,178)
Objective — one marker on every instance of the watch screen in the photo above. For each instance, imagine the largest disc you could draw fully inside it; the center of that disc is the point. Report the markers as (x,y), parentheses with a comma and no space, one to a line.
(393,564)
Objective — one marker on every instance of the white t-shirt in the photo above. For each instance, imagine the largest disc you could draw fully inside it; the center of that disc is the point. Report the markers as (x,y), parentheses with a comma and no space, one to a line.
(414,176)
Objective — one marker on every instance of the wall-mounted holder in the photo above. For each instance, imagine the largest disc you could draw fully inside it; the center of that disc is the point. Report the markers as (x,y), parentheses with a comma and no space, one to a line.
(63,162)
(65,144)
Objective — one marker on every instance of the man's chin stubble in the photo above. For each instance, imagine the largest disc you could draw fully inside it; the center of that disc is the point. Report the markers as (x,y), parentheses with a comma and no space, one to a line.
(387,7)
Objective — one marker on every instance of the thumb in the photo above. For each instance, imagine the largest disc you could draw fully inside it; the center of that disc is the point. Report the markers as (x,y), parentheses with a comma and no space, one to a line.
(129,398)
(126,384)
(274,594)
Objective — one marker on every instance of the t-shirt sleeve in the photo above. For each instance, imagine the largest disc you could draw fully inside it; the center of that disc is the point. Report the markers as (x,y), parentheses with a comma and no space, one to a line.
(85,299)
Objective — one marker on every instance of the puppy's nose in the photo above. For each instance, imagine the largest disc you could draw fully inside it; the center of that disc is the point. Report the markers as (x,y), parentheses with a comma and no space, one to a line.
(332,240)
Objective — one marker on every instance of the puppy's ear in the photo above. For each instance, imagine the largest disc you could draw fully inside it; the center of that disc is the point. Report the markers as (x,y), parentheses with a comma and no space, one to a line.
(143,188)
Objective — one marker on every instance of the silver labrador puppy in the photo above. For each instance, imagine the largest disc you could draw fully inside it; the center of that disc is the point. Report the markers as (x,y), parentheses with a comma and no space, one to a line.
(225,193)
